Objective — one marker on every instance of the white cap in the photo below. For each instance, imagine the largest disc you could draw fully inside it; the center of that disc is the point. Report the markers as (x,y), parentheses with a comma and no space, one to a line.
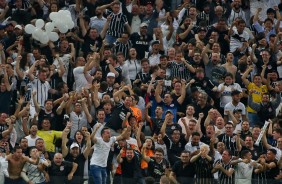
(111,74)
(74,145)
(19,27)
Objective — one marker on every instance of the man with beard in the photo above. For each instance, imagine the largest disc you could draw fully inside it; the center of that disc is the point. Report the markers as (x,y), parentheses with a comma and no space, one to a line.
(236,12)
(186,31)
(213,70)
(141,41)
(202,82)
(130,167)
(195,143)
(183,171)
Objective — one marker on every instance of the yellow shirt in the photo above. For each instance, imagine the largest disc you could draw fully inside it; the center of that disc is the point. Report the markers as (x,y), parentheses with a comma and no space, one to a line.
(49,138)
(257,95)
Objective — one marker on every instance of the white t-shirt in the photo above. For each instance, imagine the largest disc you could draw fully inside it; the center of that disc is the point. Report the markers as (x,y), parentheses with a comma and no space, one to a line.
(243,173)
(101,152)
(31,141)
(79,78)
(225,96)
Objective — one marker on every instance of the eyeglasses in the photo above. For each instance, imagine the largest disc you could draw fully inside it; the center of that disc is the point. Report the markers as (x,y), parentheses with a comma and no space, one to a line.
(228,127)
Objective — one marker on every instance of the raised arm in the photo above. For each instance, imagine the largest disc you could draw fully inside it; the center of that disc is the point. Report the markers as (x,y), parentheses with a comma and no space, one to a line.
(158,91)
(6,80)
(143,151)
(65,149)
(183,92)
(35,102)
(93,137)
(245,75)
(87,149)
(86,111)
(18,71)
(252,104)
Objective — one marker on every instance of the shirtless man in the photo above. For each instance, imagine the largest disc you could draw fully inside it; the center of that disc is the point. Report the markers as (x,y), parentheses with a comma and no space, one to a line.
(16,161)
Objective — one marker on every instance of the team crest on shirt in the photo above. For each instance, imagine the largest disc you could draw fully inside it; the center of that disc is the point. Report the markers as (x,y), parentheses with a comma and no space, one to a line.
(171,105)
(62,168)
(172,127)
(52,115)
(204,84)
(181,69)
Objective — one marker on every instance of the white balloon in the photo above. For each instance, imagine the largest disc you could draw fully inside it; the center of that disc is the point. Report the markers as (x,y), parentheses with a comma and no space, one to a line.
(37,33)
(63,28)
(67,12)
(58,22)
(49,26)
(53,15)
(70,24)
(44,38)
(53,36)
(29,28)
(39,23)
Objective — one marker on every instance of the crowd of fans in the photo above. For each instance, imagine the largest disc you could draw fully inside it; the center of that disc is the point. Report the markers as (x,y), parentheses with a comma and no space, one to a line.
(142,91)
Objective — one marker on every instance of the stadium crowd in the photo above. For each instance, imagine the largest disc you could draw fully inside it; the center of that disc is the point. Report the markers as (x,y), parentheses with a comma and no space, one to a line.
(142,91)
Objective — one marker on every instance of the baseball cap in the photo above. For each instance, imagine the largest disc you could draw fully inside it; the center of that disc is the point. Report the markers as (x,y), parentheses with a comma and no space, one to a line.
(168,111)
(2,26)
(74,145)
(202,29)
(18,27)
(235,92)
(143,25)
(111,74)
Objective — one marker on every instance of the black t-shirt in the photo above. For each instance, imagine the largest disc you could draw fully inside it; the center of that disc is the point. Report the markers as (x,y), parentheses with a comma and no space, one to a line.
(157,170)
(5,99)
(58,173)
(131,169)
(256,152)
(115,122)
(184,175)
(51,116)
(174,149)
(141,44)
(86,46)
(80,160)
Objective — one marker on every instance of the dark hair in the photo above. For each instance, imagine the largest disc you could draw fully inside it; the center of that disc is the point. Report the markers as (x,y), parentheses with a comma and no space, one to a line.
(60,86)
(228,74)
(136,97)
(229,152)
(16,148)
(196,134)
(48,100)
(278,130)
(150,180)
(144,60)
(159,150)
(273,151)
(103,130)
(74,136)
(244,153)
(114,57)
(268,19)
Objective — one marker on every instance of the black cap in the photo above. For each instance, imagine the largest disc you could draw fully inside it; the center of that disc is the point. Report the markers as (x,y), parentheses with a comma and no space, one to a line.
(235,92)
(202,29)
(270,10)
(2,26)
